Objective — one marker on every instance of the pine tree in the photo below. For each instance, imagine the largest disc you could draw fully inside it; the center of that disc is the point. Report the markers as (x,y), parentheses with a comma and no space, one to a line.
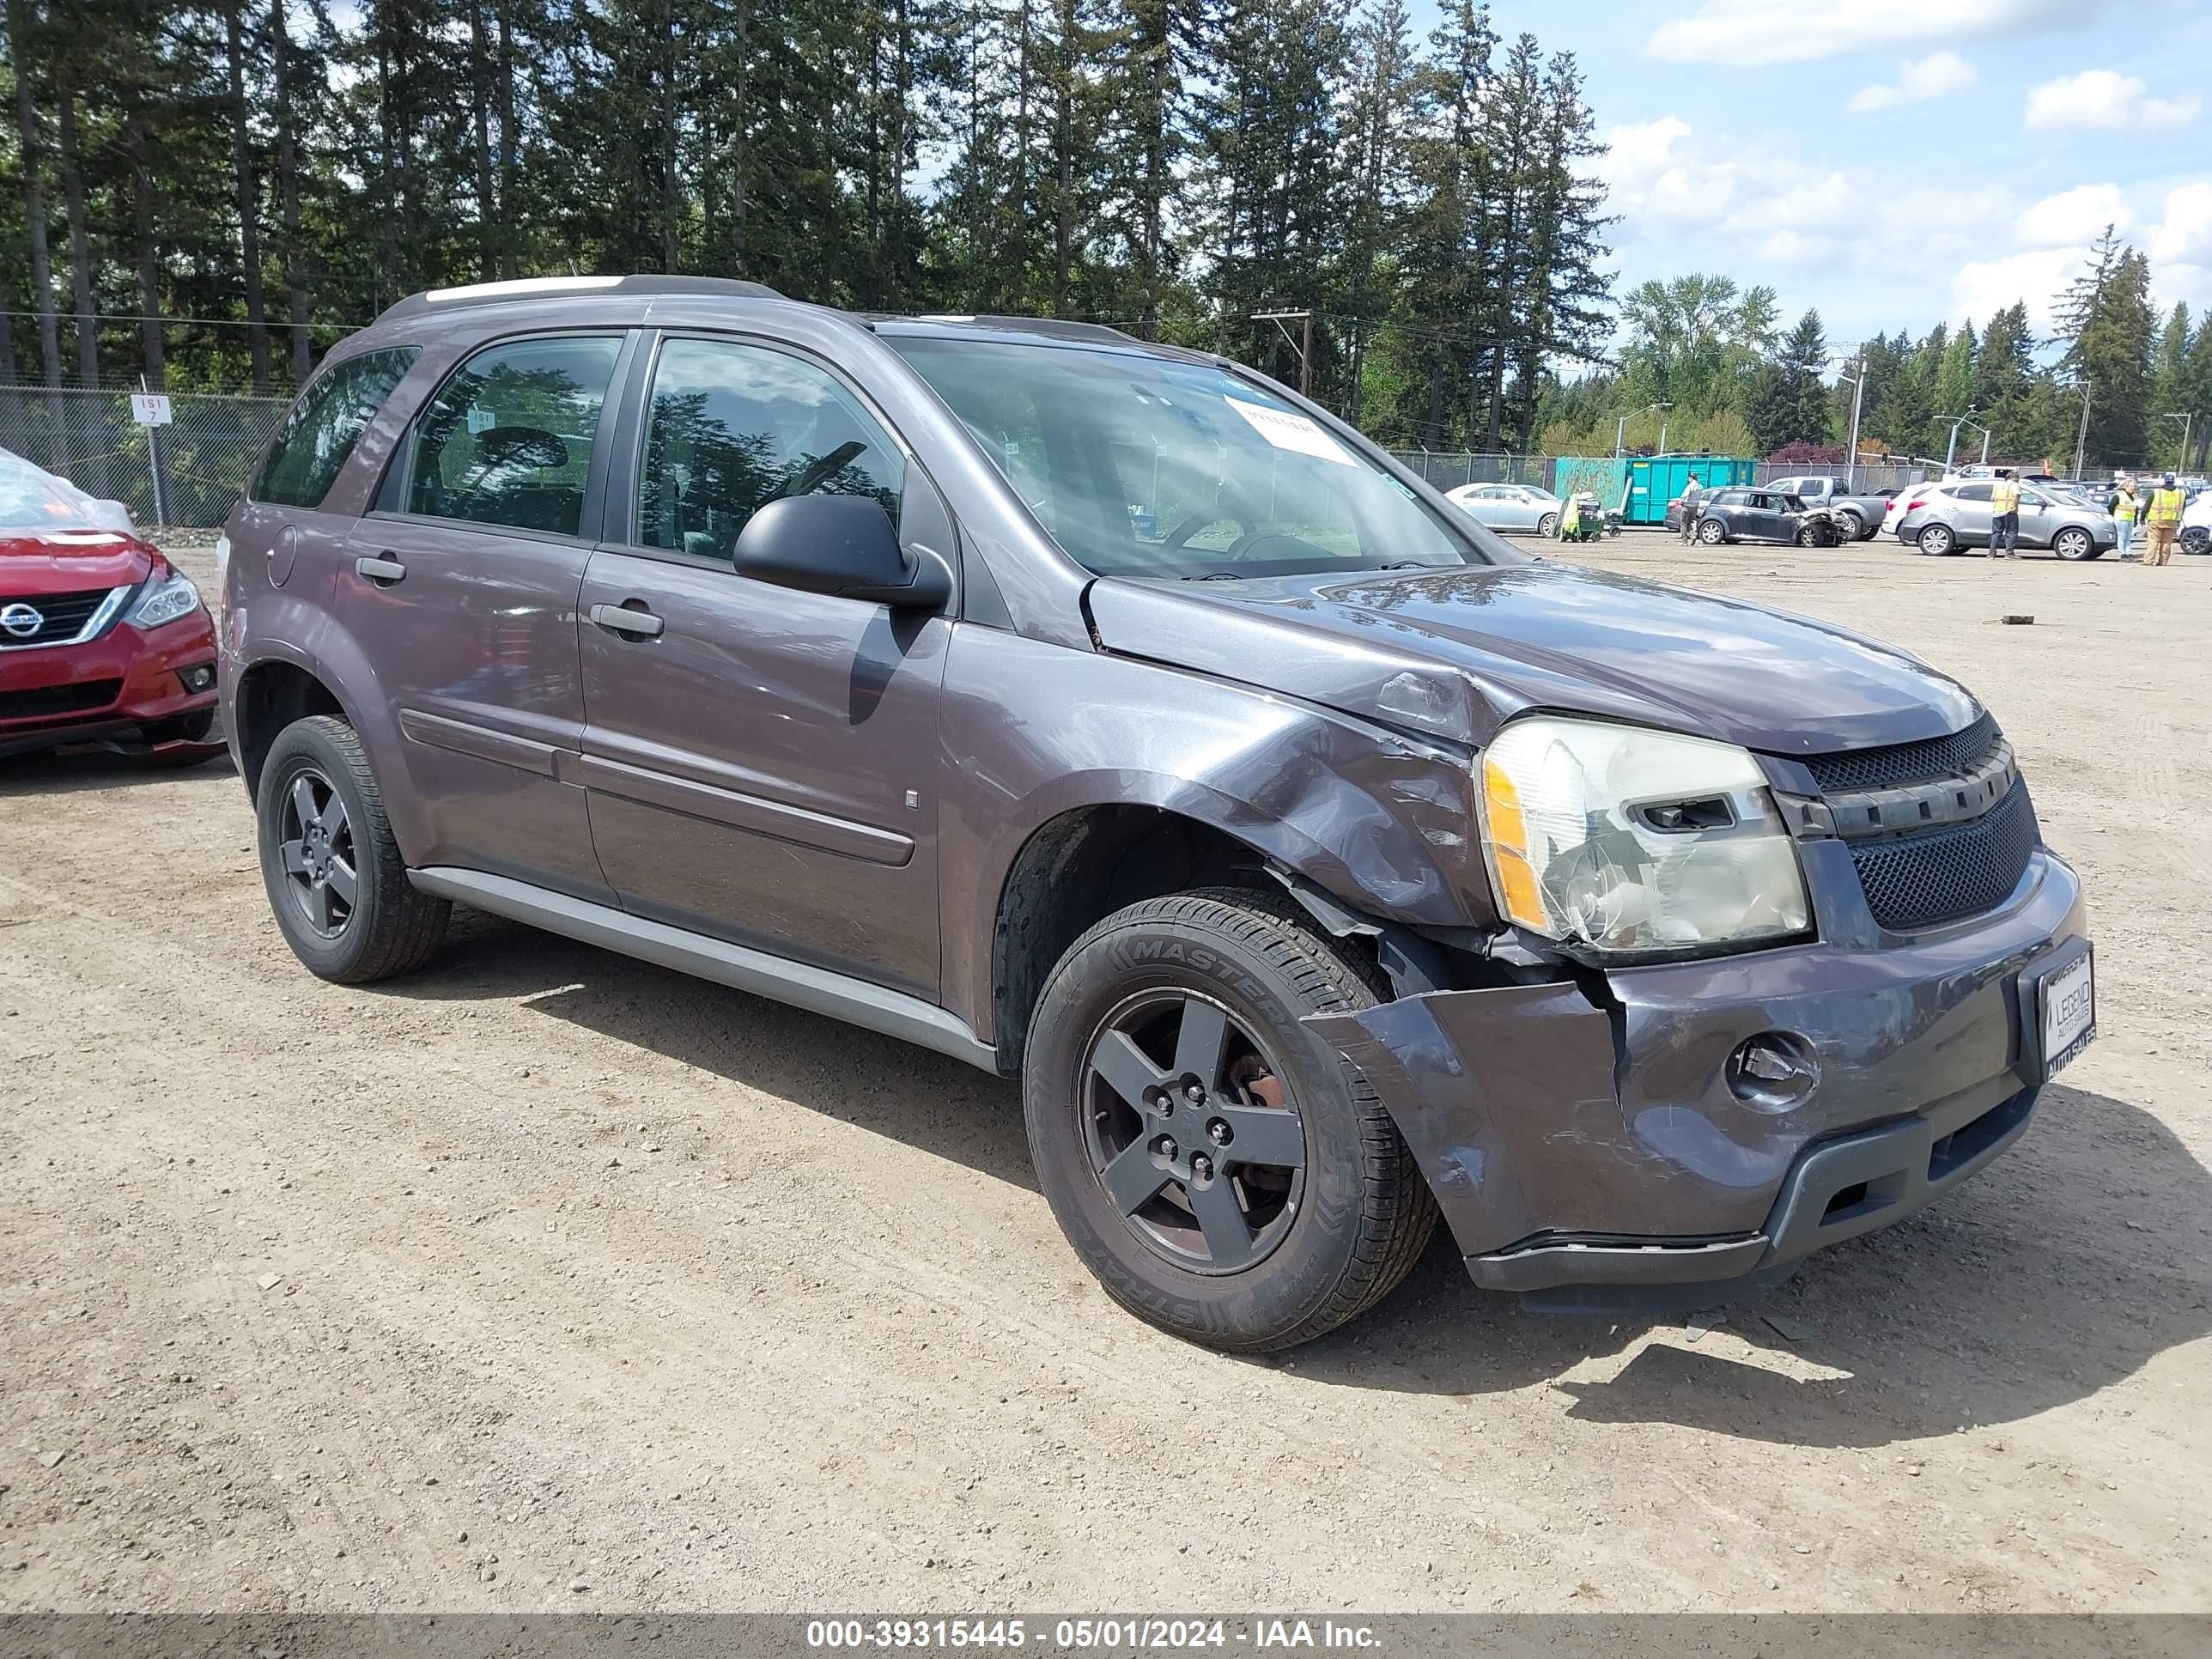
(1789,402)
(2106,320)
(1955,389)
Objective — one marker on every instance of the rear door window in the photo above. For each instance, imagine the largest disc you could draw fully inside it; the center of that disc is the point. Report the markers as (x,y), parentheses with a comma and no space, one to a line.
(319,432)
(1974,492)
(507,441)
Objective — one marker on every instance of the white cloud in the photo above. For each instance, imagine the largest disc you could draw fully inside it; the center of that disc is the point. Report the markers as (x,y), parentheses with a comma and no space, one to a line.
(1753,33)
(1918,80)
(1669,179)
(2181,247)
(2106,100)
(2075,217)
(2186,233)
(1982,287)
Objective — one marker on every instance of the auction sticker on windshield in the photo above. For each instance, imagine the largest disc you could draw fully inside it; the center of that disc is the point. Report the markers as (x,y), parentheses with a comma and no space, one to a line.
(1286,430)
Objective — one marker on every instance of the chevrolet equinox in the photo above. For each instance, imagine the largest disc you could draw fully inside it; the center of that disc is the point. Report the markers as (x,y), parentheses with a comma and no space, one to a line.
(1111,717)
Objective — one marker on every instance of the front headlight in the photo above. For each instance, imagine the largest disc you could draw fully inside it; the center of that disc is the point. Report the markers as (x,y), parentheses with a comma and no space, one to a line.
(165,601)
(1623,839)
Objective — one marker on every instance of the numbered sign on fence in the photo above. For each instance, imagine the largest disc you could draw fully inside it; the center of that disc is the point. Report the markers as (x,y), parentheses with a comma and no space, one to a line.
(149,409)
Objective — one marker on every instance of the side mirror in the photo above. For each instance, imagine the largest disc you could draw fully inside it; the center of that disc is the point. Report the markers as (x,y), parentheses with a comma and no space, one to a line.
(842,546)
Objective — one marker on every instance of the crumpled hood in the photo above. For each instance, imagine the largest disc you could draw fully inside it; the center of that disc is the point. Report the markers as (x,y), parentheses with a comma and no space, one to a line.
(1458,651)
(34,563)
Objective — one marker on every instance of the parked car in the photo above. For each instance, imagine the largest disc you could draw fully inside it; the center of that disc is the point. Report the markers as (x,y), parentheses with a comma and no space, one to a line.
(1942,519)
(1745,514)
(101,639)
(1321,864)
(2197,524)
(1859,512)
(1508,507)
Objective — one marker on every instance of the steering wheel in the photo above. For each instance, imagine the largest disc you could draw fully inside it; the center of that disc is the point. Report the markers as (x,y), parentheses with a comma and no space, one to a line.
(1180,535)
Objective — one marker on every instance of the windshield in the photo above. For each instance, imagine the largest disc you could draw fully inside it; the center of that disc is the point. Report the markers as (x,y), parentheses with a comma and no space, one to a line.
(1143,467)
(34,499)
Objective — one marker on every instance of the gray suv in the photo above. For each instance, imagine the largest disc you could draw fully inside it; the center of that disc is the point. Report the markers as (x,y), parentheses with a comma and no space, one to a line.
(1112,719)
(1940,520)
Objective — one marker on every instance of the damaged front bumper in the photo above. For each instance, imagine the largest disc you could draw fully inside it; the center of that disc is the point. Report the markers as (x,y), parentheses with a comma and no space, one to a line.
(1604,1152)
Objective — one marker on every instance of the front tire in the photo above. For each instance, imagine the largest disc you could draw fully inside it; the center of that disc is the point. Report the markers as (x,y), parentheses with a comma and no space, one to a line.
(336,881)
(1225,1175)
(1938,541)
(2196,539)
(1548,526)
(1854,526)
(2074,545)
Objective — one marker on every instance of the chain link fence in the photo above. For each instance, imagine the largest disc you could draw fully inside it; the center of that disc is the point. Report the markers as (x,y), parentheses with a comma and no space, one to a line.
(188,475)
(1450,469)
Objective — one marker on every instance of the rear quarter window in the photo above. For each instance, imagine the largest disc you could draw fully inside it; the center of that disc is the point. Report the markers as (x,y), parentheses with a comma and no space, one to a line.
(317,437)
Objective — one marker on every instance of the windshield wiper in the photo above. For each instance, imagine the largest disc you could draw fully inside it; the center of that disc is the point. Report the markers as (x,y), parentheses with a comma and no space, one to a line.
(1216,576)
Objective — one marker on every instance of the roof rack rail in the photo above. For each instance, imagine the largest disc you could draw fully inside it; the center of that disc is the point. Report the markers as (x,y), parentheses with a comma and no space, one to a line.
(1057,327)
(487,294)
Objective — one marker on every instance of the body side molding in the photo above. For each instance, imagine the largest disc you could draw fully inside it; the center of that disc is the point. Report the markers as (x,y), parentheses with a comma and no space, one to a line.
(800,984)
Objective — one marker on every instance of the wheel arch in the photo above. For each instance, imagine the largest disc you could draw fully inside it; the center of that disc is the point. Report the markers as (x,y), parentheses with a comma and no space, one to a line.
(272,694)
(1085,862)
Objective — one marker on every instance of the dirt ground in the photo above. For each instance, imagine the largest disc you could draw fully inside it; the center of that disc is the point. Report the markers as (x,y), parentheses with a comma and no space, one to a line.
(548,1278)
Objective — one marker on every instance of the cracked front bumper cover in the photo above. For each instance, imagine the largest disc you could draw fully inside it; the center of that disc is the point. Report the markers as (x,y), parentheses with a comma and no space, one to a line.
(1577,1149)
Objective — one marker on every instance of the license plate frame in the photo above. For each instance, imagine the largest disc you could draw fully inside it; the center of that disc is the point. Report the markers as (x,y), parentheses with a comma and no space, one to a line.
(2058,1008)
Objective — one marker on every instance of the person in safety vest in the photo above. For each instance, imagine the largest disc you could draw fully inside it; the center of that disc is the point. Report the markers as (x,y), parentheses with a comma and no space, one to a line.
(1571,519)
(2125,507)
(2163,517)
(2004,508)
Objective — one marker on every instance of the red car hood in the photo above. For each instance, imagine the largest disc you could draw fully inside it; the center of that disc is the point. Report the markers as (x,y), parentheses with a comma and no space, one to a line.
(33,563)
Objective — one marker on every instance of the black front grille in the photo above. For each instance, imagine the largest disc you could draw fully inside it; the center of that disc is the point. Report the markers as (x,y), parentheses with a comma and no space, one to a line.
(49,700)
(1937,876)
(1905,763)
(63,616)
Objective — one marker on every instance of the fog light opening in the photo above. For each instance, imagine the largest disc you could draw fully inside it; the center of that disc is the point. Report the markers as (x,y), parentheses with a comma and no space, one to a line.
(199,677)
(1774,1072)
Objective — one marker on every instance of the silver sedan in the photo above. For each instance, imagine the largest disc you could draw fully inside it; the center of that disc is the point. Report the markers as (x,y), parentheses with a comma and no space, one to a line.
(1507,507)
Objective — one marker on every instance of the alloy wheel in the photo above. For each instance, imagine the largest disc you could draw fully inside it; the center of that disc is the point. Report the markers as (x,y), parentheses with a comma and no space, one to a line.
(315,846)
(1190,1132)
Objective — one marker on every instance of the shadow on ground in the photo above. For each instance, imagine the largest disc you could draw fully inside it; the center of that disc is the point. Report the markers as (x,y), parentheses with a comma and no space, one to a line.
(44,773)
(2066,1267)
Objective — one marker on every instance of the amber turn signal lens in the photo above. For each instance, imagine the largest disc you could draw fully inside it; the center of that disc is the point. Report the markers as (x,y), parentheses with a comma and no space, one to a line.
(1517,887)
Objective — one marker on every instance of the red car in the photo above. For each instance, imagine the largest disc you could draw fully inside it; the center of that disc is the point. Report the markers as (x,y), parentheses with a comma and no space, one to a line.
(101,639)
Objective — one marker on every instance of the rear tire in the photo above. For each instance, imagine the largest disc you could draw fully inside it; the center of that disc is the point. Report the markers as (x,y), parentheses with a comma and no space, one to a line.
(1854,527)
(1938,541)
(1207,988)
(1711,532)
(336,884)
(2196,539)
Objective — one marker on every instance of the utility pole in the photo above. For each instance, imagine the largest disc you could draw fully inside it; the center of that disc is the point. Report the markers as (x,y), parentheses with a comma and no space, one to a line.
(1858,390)
(2187,417)
(1302,343)
(1662,426)
(2081,441)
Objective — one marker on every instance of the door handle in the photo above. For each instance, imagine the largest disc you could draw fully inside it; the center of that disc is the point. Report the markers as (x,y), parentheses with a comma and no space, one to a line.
(382,571)
(623,619)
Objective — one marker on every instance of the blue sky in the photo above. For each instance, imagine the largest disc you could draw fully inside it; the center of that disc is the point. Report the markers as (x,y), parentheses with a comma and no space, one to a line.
(1897,162)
